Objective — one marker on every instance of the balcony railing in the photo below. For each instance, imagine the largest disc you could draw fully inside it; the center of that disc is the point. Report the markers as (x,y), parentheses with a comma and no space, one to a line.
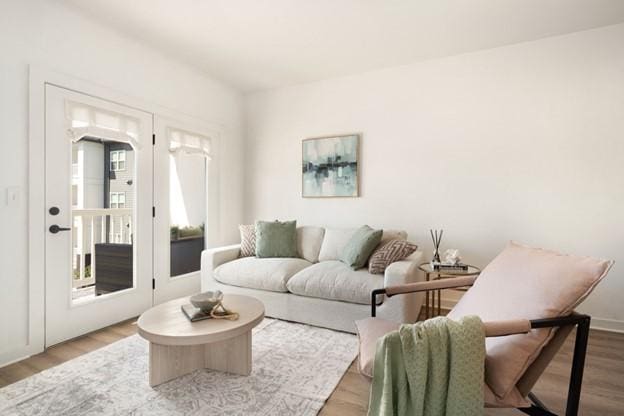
(93,226)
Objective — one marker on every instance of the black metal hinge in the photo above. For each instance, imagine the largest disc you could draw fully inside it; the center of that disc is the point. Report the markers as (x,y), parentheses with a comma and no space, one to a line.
(153,212)
(153,139)
(153,284)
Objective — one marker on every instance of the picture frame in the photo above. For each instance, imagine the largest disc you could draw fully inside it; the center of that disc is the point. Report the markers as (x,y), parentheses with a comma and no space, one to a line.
(331,166)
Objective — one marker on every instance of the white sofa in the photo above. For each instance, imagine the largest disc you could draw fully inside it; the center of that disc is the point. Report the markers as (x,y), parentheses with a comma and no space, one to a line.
(317,288)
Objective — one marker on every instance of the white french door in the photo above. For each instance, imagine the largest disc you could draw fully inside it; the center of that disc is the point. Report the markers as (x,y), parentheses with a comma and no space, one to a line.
(182,176)
(99,198)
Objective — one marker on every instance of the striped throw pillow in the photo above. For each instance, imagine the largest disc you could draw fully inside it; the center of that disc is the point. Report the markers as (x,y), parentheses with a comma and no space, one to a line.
(248,240)
(388,253)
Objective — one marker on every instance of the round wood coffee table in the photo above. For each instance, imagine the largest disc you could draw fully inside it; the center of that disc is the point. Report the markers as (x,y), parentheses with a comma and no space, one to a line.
(179,346)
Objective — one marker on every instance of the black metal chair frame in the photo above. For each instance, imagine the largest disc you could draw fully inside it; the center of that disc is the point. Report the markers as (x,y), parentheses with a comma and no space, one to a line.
(581,322)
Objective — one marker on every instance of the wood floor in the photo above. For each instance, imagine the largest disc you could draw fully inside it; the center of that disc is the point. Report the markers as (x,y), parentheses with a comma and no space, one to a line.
(603,387)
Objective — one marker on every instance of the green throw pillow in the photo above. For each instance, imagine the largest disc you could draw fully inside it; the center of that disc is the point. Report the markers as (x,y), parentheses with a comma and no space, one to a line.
(360,247)
(276,239)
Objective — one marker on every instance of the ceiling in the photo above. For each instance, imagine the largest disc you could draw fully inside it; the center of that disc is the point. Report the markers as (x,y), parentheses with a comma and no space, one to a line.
(260,44)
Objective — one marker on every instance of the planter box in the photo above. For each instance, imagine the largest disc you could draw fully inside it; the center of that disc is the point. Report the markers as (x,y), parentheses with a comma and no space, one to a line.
(186,255)
(113,267)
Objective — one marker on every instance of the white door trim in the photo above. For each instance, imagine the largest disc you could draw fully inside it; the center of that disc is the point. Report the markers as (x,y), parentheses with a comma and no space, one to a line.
(39,75)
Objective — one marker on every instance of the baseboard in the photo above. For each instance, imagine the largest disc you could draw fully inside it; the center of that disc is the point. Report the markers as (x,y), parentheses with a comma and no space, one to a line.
(13,357)
(18,352)
(610,325)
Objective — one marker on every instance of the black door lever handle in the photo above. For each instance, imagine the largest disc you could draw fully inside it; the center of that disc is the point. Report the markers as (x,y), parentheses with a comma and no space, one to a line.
(55,229)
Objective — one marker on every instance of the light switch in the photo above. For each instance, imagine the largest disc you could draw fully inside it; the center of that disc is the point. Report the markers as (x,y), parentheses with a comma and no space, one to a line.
(13,196)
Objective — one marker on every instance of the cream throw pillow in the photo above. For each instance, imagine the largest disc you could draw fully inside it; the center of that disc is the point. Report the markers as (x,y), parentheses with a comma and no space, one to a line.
(334,242)
(309,240)
(248,240)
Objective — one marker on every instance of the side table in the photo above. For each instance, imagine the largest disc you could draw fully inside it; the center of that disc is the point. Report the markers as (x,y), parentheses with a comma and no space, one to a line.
(432,298)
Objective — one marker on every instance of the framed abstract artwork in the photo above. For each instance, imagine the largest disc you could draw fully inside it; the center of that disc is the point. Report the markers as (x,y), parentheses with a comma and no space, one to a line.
(330,166)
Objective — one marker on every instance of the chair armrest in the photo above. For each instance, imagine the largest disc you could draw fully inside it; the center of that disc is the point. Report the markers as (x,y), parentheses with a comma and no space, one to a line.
(420,287)
(523,326)
(214,257)
(430,285)
(503,328)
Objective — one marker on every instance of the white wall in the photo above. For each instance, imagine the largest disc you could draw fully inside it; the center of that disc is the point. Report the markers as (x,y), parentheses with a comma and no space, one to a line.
(523,142)
(46,33)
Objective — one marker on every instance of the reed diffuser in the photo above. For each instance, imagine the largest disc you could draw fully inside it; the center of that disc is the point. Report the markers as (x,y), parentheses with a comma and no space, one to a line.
(436,237)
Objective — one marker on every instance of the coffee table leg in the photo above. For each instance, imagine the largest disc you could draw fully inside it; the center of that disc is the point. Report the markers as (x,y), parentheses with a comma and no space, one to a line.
(167,362)
(231,356)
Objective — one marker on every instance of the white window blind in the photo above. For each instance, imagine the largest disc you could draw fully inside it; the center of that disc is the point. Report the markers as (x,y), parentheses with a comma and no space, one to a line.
(86,120)
(191,143)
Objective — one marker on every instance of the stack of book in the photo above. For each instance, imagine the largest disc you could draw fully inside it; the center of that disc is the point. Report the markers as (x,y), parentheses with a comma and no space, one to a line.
(195,314)
(450,268)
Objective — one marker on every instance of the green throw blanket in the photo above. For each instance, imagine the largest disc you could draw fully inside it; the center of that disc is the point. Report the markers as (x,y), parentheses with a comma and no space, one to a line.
(431,368)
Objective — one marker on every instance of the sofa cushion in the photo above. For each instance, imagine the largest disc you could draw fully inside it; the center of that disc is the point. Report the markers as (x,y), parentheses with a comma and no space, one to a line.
(334,242)
(513,399)
(526,283)
(360,246)
(336,239)
(336,281)
(393,235)
(255,273)
(309,240)
(369,330)
(276,239)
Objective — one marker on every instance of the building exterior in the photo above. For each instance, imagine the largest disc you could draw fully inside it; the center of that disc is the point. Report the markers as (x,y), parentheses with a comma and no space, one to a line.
(119,175)
(102,200)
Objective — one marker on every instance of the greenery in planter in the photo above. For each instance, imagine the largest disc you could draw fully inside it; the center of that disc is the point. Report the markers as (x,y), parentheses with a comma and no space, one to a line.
(87,272)
(174,232)
(186,232)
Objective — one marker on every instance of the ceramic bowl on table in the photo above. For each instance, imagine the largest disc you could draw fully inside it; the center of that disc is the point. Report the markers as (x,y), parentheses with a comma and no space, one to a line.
(206,301)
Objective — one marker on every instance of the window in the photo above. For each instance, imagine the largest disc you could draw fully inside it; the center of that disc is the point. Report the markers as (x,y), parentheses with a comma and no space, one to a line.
(117,200)
(117,160)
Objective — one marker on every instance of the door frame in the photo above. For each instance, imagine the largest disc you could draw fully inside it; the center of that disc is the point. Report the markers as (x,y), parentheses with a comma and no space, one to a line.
(39,76)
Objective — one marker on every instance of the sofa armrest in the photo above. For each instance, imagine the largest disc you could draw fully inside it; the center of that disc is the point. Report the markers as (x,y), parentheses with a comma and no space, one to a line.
(404,271)
(214,257)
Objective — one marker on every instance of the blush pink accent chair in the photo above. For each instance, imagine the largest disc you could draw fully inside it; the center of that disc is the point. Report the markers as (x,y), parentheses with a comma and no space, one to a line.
(526,299)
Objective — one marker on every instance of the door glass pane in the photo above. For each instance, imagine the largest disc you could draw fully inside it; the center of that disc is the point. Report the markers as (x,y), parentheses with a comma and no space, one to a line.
(187,203)
(102,212)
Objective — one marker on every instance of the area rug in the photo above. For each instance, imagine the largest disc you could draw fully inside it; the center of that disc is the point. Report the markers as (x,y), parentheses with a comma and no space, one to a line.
(295,369)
